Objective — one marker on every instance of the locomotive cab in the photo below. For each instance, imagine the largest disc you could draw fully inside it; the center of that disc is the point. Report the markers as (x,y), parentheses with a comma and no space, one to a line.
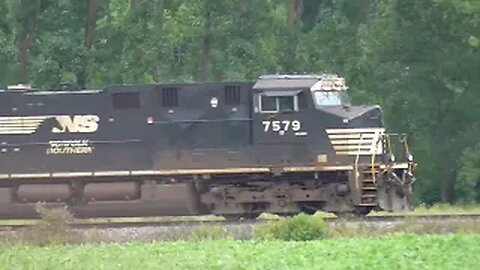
(280,112)
(304,108)
(311,119)
(300,108)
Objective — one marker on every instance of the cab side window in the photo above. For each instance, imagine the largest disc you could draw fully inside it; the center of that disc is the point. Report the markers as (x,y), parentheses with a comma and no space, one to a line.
(268,104)
(278,102)
(286,104)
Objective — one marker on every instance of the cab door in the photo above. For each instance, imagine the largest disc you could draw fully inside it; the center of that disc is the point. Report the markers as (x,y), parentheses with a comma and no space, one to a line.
(280,117)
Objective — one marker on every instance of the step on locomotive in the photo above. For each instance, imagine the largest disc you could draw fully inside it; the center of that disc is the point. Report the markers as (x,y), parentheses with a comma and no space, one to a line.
(283,144)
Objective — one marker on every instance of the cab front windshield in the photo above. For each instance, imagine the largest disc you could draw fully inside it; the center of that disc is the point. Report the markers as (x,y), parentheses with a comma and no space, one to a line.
(328,98)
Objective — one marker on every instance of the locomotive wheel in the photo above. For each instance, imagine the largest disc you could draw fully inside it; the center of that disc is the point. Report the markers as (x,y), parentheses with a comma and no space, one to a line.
(362,211)
(250,216)
(308,210)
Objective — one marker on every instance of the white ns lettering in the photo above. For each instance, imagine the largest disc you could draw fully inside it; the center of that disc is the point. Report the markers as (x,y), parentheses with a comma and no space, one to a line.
(77,124)
(285,125)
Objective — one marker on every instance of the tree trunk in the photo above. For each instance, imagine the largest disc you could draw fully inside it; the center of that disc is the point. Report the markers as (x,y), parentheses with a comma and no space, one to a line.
(443,159)
(203,70)
(91,23)
(446,185)
(27,17)
(364,10)
(134,4)
(294,14)
(159,9)
(90,28)
(5,25)
(294,19)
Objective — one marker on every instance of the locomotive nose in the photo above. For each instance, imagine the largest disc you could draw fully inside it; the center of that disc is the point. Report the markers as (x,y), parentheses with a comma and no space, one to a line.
(375,112)
(365,114)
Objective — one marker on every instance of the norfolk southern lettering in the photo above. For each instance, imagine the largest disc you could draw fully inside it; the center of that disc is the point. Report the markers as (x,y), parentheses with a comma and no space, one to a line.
(77,124)
(69,147)
(25,125)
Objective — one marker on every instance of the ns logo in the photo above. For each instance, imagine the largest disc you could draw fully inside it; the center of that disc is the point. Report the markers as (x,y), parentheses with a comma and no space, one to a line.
(76,124)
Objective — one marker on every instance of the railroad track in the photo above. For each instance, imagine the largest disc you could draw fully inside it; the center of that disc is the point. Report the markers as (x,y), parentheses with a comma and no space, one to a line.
(173,222)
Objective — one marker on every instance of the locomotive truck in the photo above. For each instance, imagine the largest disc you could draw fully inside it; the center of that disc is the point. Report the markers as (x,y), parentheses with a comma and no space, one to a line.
(283,144)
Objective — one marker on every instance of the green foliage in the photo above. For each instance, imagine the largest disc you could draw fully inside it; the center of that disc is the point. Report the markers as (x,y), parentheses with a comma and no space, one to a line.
(299,228)
(7,45)
(467,186)
(436,104)
(393,252)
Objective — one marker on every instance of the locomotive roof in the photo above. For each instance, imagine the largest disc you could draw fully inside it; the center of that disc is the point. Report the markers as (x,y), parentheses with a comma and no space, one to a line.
(284,84)
(313,82)
(266,82)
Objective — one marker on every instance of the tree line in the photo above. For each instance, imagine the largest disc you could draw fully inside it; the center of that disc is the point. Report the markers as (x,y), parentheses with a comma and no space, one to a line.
(418,59)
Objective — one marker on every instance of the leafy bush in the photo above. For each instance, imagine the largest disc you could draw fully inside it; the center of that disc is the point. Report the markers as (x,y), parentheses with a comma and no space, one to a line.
(52,229)
(299,228)
(6,240)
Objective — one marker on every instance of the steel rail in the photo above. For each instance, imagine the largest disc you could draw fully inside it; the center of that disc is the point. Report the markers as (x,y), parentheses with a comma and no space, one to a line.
(6,225)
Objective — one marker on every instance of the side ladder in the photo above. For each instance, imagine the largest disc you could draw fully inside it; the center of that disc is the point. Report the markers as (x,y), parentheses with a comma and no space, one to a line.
(368,186)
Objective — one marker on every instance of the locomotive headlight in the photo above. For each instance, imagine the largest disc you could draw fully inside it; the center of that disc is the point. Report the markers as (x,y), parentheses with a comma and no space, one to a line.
(150,120)
(392,158)
(410,157)
(214,102)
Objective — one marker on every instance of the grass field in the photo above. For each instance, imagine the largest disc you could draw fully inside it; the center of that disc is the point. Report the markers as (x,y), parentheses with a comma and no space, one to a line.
(390,252)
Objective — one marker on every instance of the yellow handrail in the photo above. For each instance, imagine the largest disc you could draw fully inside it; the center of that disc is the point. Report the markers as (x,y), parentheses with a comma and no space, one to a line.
(373,161)
(357,157)
(405,144)
(389,145)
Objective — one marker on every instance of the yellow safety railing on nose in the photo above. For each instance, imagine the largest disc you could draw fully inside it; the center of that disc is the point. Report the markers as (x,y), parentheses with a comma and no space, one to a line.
(357,158)
(389,145)
(411,166)
(374,178)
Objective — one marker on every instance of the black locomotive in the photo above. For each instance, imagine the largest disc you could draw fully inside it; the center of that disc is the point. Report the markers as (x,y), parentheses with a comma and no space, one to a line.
(283,144)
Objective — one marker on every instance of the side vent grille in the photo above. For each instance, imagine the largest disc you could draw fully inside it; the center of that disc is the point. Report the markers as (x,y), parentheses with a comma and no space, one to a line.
(232,95)
(170,97)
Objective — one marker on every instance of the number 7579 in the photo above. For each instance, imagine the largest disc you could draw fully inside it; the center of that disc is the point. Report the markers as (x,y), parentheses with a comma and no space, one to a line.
(284,125)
